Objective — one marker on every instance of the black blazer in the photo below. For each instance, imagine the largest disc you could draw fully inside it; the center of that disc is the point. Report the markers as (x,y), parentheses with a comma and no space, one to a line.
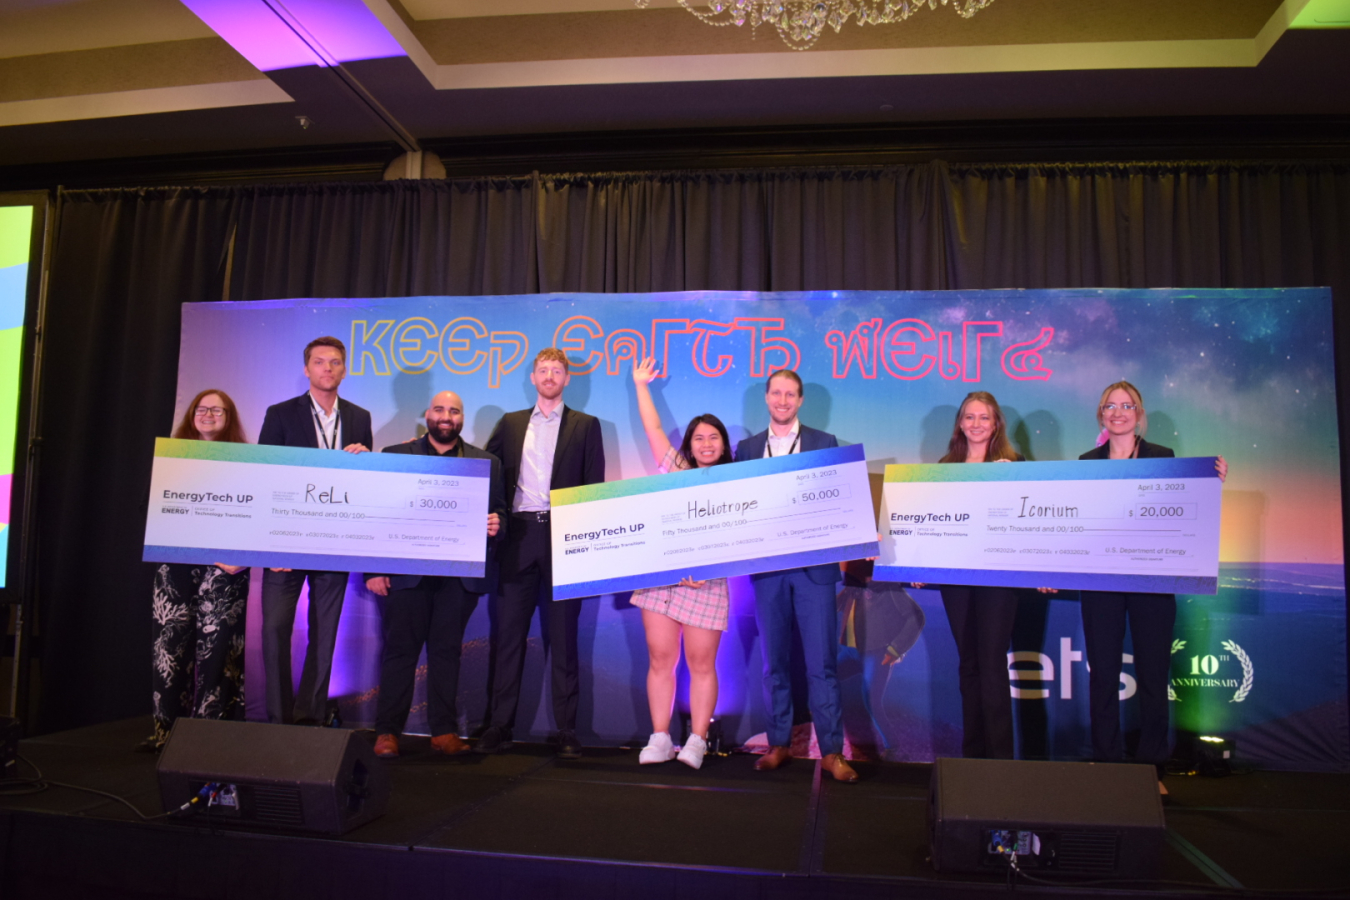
(579,458)
(290,423)
(496,503)
(812,439)
(1146,451)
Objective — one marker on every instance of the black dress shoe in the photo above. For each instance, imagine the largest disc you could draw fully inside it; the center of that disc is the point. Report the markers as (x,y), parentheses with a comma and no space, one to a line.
(494,740)
(568,745)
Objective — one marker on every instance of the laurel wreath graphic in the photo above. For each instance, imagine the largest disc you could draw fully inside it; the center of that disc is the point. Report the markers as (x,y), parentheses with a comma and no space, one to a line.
(1171,694)
(1248,671)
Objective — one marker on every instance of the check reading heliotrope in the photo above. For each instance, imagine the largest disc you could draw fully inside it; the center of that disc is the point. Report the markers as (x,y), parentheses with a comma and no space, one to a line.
(1148,525)
(292,507)
(761,515)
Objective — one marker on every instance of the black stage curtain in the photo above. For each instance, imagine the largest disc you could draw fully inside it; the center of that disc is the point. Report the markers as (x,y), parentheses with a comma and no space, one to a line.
(124,261)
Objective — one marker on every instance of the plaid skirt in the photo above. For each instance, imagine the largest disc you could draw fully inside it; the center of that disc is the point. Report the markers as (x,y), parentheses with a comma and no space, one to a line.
(703,607)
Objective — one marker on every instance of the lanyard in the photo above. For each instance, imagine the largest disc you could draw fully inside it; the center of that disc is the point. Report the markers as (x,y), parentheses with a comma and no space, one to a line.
(337,423)
(768,444)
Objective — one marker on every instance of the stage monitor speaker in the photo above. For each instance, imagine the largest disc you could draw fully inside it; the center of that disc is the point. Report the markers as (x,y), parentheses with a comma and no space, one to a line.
(1102,820)
(276,776)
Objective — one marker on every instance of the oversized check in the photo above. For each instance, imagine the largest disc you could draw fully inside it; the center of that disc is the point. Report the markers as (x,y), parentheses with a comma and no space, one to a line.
(1149,525)
(292,507)
(761,515)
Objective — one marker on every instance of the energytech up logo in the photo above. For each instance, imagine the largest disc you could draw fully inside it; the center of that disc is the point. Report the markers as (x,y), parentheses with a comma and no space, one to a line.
(1231,670)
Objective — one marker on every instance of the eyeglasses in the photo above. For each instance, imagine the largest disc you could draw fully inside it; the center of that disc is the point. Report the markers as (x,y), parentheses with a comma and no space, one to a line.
(1112,407)
(214,412)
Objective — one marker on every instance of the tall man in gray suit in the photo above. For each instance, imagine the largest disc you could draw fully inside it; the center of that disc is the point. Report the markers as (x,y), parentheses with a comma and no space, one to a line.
(547,446)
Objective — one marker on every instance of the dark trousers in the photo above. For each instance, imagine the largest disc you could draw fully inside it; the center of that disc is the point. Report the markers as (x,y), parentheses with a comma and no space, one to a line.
(782,600)
(280,593)
(1151,619)
(527,583)
(198,650)
(433,613)
(981,619)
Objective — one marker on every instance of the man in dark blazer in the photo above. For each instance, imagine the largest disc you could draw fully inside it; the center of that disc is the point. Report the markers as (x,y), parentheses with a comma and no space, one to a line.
(545,447)
(805,597)
(432,609)
(314,419)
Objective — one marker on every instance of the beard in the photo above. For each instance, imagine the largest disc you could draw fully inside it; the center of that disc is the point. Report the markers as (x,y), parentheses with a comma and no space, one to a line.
(444,432)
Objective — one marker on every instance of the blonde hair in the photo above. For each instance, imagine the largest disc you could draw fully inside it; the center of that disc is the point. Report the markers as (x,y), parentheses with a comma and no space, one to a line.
(1135,396)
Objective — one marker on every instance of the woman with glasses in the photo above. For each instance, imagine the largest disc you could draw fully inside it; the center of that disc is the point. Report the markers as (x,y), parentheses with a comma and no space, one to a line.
(981,618)
(1151,617)
(698,611)
(198,610)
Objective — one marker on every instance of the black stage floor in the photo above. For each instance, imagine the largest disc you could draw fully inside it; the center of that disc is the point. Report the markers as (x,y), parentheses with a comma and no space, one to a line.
(523,824)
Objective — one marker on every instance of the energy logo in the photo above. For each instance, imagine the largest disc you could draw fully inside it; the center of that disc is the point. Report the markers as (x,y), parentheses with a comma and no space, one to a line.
(1212,670)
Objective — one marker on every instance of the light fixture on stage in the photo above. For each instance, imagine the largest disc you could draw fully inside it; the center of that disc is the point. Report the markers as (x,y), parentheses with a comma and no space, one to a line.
(1213,756)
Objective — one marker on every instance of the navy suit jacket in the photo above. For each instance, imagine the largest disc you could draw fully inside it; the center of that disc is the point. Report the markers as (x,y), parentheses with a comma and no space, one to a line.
(290,423)
(496,503)
(812,439)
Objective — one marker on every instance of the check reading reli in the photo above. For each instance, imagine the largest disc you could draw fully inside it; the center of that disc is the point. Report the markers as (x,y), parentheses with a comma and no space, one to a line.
(297,508)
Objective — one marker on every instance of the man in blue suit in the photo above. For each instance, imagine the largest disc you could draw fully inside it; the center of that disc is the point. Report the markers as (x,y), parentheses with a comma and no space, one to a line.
(432,609)
(805,597)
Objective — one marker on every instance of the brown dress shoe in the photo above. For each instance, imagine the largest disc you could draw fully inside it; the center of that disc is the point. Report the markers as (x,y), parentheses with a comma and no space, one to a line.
(777,756)
(449,744)
(836,765)
(386,746)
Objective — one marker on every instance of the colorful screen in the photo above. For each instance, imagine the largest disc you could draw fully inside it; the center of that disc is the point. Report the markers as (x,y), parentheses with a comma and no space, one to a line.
(16,230)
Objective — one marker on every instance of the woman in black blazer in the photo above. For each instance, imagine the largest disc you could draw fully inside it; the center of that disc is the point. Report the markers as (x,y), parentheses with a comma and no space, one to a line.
(981,618)
(1151,617)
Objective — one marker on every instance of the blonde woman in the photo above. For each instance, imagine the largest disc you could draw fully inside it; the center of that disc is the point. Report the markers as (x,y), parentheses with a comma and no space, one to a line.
(1150,617)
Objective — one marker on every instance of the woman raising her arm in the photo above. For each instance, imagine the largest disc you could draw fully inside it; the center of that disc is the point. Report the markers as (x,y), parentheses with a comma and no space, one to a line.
(696,610)
(1120,413)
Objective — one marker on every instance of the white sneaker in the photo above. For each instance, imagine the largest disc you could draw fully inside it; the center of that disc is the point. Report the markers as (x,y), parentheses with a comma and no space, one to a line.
(692,752)
(659,749)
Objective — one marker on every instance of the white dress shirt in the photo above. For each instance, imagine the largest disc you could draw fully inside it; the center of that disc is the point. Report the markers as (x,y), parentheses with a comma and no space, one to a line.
(325,425)
(788,443)
(536,461)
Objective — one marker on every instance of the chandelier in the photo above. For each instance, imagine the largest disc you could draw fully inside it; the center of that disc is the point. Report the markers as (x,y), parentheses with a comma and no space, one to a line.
(800,22)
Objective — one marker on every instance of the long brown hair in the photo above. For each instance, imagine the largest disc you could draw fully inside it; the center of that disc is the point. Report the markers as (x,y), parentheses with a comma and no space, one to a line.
(233,433)
(999,445)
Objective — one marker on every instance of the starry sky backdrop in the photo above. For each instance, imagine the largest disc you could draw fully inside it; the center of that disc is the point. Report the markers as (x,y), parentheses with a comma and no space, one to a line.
(1243,373)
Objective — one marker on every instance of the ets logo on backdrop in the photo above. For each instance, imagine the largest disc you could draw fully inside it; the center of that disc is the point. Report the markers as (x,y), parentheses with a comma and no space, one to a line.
(1231,670)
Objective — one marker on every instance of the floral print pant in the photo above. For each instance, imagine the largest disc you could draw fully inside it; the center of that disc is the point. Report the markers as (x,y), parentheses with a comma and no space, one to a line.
(199,644)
